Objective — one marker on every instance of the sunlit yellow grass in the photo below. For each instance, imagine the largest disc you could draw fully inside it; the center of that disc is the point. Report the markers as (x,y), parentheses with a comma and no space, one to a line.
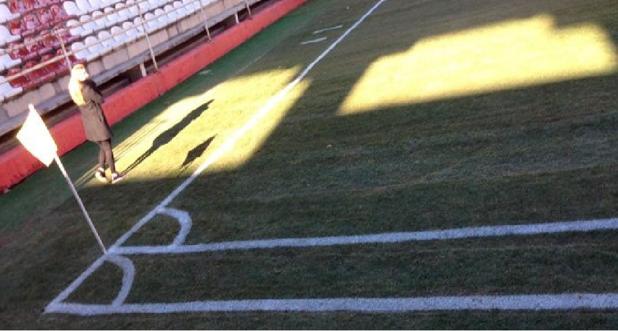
(506,55)
(233,103)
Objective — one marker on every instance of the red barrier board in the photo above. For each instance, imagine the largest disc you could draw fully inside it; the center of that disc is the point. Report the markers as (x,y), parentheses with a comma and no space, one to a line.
(17,164)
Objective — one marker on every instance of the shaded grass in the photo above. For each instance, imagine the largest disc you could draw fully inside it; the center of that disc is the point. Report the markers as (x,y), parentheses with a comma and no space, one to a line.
(542,153)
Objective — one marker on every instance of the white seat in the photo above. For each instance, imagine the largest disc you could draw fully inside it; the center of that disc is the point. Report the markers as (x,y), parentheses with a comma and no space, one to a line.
(106,41)
(75,28)
(150,22)
(80,51)
(6,62)
(94,48)
(119,36)
(154,4)
(88,24)
(133,9)
(71,8)
(98,4)
(84,6)
(6,36)
(6,90)
(130,31)
(123,12)
(144,6)
(5,14)
(161,18)
(98,19)
(191,6)
(111,16)
(172,14)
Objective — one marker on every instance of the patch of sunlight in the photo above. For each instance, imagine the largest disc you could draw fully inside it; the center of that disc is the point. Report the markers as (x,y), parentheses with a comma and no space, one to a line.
(501,56)
(255,138)
(164,145)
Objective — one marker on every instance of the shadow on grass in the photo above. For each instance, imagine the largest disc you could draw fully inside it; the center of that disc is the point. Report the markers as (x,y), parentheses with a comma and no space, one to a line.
(168,135)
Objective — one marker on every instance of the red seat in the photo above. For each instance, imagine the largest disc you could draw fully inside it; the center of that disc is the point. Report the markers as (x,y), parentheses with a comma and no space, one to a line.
(15,27)
(19,51)
(45,17)
(20,81)
(58,13)
(30,24)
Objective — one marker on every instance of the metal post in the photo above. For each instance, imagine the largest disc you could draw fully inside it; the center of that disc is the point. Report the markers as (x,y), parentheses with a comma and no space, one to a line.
(142,68)
(205,18)
(152,54)
(81,204)
(64,50)
(248,8)
(236,17)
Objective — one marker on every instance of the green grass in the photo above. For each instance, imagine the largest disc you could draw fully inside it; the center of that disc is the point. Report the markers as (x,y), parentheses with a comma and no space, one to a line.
(542,151)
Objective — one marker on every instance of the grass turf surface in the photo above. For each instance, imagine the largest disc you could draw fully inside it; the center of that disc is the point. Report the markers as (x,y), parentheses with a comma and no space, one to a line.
(341,156)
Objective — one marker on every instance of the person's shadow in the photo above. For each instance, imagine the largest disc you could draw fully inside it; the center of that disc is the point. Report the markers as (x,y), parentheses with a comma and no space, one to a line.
(169,134)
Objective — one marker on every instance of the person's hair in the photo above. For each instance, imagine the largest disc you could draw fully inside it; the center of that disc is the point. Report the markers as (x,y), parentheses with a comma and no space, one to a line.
(76,85)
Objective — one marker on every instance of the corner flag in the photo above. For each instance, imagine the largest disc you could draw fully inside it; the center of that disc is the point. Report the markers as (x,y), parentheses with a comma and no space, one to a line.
(36,138)
(38,141)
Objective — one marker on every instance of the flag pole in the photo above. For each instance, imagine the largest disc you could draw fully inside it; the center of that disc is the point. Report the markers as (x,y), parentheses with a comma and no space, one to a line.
(81,204)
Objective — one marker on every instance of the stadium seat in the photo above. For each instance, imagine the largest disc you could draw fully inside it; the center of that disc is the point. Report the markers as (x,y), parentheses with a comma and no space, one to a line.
(5,14)
(80,51)
(106,41)
(30,24)
(160,18)
(122,11)
(133,9)
(112,17)
(131,31)
(6,90)
(75,28)
(6,62)
(46,18)
(19,81)
(6,36)
(58,13)
(151,22)
(119,36)
(71,8)
(94,48)
(171,13)
(84,6)
(87,24)
(99,20)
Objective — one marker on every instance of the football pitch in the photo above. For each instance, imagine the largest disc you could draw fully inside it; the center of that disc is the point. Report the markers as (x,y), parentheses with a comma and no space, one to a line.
(359,164)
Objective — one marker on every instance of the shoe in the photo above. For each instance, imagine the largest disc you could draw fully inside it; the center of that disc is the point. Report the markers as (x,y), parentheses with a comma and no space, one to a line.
(99,174)
(116,177)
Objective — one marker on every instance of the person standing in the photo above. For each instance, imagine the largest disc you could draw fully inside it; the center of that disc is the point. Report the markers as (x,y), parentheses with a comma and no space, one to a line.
(88,99)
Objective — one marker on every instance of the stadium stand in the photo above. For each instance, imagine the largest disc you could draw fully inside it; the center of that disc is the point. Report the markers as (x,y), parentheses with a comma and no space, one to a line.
(110,36)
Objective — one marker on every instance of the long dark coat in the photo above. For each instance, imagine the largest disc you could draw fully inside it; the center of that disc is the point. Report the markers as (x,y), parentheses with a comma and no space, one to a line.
(95,123)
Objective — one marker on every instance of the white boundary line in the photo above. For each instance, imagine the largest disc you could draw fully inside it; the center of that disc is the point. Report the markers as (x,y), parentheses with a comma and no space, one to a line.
(328,29)
(508,302)
(380,238)
(585,301)
(313,41)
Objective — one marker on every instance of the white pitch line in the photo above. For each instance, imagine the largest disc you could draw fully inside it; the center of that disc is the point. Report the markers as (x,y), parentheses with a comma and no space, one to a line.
(585,301)
(313,41)
(328,29)
(227,146)
(381,238)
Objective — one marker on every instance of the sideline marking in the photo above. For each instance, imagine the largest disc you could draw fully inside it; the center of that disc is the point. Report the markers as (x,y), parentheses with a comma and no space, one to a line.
(505,302)
(328,29)
(313,41)
(380,238)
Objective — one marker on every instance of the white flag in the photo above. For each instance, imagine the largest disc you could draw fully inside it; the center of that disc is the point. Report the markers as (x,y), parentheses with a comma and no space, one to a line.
(36,138)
